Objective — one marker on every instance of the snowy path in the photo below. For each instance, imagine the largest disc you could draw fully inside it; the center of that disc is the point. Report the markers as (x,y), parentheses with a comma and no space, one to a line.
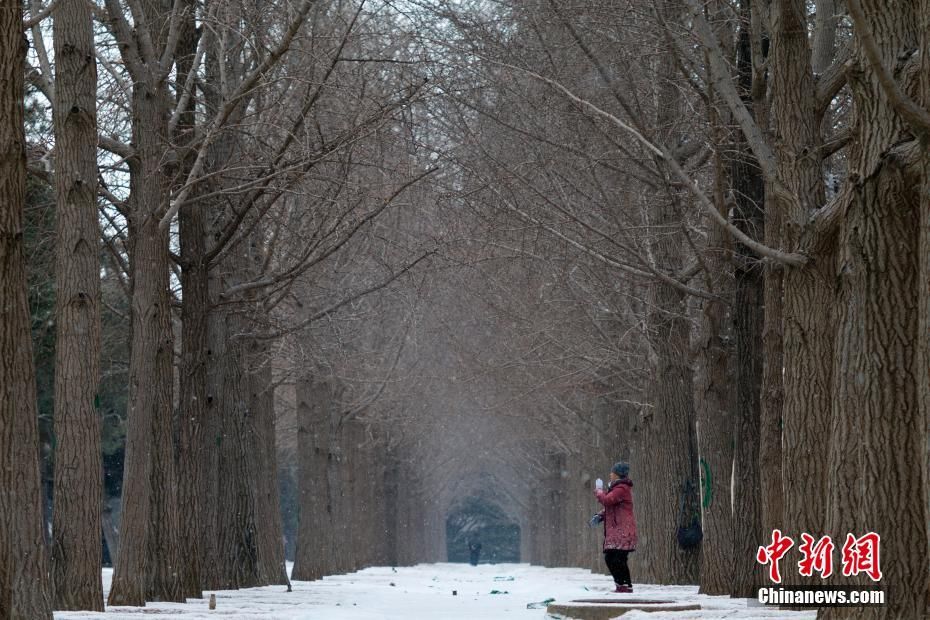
(425,591)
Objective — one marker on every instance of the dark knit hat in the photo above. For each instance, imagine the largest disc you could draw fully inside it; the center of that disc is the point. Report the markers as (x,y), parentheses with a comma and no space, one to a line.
(621,469)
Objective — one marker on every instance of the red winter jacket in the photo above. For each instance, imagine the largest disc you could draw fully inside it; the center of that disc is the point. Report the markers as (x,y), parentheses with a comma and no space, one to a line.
(619,522)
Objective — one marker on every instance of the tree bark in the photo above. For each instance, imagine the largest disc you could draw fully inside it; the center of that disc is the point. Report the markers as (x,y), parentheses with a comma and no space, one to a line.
(923,251)
(233,514)
(78,490)
(390,507)
(148,566)
(24,583)
(808,327)
(714,406)
(668,445)
(335,463)
(824,37)
(668,449)
(713,394)
(270,535)
(748,321)
(192,384)
(192,399)
(773,389)
(313,530)
(212,438)
(878,482)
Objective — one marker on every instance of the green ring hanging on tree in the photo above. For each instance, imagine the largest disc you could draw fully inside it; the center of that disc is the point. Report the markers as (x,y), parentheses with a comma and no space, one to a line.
(707,486)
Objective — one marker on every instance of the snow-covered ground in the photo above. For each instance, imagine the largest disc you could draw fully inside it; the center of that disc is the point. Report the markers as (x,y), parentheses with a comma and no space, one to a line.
(426,591)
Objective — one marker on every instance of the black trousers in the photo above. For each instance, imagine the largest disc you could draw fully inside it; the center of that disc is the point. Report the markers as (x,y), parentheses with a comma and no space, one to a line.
(616,564)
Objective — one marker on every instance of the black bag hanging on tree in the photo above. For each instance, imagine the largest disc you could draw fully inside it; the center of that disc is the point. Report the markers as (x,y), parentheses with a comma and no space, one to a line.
(690,533)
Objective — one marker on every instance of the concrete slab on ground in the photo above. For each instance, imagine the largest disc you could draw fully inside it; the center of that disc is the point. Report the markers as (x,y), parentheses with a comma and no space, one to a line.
(605,609)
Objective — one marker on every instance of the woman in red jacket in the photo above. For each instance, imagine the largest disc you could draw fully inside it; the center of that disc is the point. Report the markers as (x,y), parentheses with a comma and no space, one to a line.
(619,524)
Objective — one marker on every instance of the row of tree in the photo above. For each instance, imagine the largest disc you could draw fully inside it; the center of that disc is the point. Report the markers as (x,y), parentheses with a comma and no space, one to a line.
(222,165)
(737,190)
(475,250)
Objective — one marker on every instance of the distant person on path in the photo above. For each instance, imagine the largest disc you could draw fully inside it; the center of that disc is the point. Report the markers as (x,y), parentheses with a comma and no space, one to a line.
(474,550)
(619,523)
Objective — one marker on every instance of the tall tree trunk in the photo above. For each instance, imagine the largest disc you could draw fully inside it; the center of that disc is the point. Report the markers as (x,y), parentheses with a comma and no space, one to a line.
(240,448)
(233,517)
(878,483)
(313,529)
(748,321)
(193,365)
(923,251)
(148,566)
(335,457)
(270,535)
(714,406)
(389,506)
(808,290)
(231,535)
(714,395)
(257,359)
(213,424)
(193,398)
(24,584)
(773,390)
(78,490)
(667,450)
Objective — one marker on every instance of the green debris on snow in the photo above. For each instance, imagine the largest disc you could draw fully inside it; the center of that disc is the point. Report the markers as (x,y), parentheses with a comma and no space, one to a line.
(540,604)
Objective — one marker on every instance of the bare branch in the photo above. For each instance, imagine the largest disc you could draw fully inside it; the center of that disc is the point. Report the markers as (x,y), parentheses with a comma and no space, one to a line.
(124,86)
(598,255)
(36,17)
(305,263)
(705,202)
(115,146)
(122,32)
(836,143)
(915,116)
(336,306)
(46,77)
(188,87)
(354,411)
(831,82)
(230,106)
(174,33)
(146,45)
(720,78)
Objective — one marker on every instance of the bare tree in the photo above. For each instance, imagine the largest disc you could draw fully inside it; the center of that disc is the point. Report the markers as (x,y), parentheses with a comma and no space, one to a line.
(24,582)
(76,526)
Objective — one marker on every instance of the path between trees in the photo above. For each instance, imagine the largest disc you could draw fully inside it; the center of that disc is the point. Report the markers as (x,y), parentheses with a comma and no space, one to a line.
(447,591)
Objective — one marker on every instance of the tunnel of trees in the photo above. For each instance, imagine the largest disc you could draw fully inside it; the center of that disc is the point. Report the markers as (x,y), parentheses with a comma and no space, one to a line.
(341,281)
(479,521)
